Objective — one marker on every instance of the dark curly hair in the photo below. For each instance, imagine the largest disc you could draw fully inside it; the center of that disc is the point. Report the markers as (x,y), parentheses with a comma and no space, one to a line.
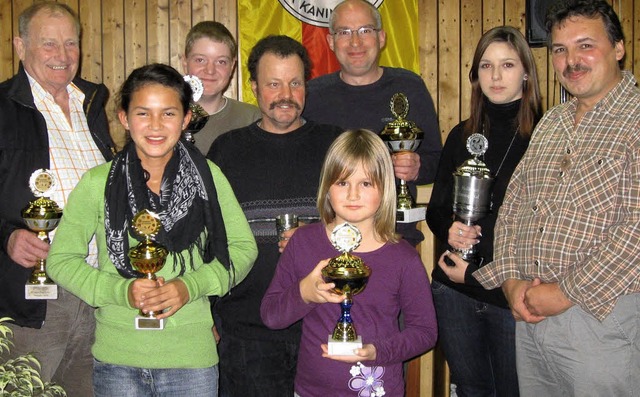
(282,46)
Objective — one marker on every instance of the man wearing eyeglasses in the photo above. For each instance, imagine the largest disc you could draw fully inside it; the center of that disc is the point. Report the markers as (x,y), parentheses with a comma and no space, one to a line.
(358,95)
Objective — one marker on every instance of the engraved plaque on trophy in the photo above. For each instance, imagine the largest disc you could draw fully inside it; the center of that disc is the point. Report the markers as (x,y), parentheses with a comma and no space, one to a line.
(147,257)
(41,215)
(350,276)
(199,116)
(402,135)
(472,190)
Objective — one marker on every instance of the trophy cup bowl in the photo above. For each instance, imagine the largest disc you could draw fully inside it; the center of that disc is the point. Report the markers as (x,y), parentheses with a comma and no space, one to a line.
(400,136)
(199,118)
(350,276)
(148,258)
(472,185)
(41,215)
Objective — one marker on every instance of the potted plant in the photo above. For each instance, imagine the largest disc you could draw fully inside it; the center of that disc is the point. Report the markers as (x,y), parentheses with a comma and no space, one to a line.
(20,376)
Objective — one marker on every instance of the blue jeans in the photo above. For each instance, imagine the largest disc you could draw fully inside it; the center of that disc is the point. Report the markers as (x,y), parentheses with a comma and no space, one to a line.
(256,367)
(119,381)
(478,340)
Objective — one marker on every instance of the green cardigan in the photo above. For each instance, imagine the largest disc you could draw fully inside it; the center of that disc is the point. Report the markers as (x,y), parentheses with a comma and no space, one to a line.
(187,340)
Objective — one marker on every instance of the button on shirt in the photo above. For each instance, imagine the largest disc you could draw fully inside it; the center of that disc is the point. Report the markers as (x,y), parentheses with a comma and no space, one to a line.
(571,214)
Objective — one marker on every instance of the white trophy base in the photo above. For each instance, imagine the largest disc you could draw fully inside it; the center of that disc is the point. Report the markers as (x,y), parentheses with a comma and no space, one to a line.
(41,291)
(149,323)
(339,348)
(412,215)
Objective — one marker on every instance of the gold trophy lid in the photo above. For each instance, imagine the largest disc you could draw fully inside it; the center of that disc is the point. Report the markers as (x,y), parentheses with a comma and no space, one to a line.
(146,224)
(148,256)
(345,238)
(401,129)
(43,183)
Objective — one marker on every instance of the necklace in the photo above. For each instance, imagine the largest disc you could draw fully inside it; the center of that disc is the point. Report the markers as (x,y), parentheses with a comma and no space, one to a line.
(513,138)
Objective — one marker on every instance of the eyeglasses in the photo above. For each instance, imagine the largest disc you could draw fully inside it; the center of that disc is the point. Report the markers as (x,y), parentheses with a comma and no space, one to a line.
(363,31)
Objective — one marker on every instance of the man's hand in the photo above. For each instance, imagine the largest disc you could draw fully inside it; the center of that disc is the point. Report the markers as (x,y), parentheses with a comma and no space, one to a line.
(515,290)
(545,299)
(406,165)
(25,248)
(283,239)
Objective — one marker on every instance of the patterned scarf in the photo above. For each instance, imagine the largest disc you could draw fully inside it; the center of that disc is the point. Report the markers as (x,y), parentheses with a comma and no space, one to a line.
(187,206)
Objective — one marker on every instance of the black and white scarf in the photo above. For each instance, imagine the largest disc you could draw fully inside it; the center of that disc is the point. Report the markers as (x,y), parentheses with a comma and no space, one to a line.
(187,206)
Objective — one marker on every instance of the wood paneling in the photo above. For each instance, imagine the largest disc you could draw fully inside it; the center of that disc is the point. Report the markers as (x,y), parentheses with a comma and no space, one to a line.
(120,35)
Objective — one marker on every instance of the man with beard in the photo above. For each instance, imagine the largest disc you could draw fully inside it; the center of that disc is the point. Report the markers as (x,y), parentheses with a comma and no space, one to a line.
(567,235)
(274,167)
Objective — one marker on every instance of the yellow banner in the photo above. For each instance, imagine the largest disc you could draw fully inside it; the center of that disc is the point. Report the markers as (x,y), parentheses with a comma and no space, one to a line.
(259,18)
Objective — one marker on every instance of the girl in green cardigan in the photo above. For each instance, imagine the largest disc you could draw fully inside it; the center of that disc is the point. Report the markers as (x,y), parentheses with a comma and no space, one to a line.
(210,247)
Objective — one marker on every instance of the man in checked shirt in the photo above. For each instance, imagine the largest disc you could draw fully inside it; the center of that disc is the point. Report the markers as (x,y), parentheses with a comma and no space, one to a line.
(49,118)
(568,232)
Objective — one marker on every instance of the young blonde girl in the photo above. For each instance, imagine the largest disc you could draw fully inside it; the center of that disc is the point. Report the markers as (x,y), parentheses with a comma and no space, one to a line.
(356,186)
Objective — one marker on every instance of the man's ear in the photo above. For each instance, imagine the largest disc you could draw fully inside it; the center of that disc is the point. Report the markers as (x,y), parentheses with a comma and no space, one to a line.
(20,46)
(619,47)
(254,88)
(330,41)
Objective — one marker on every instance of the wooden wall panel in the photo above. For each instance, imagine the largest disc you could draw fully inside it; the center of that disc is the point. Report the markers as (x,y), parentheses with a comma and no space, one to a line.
(6,39)
(449,65)
(470,31)
(158,33)
(120,35)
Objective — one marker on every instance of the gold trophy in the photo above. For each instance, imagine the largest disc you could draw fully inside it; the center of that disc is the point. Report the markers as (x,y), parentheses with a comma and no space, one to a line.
(147,257)
(42,215)
(350,276)
(400,136)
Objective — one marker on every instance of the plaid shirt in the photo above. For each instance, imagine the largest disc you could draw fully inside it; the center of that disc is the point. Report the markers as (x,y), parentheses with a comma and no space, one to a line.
(571,214)
(72,150)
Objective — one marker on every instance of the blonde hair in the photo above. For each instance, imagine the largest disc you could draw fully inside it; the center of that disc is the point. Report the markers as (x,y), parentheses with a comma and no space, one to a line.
(348,151)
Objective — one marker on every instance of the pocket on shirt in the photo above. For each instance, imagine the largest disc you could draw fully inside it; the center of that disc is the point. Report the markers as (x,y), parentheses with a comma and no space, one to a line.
(597,188)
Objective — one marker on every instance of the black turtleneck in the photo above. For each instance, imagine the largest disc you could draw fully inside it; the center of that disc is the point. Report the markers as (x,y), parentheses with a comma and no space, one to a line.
(500,131)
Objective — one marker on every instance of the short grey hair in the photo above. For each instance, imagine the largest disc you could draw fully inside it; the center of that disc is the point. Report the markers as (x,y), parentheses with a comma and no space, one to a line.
(374,13)
(52,8)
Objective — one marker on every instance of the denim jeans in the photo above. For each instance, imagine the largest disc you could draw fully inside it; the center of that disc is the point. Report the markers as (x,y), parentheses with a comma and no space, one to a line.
(478,340)
(119,381)
(256,367)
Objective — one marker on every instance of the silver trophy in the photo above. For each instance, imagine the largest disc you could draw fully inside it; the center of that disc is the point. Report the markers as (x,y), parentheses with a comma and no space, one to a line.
(472,183)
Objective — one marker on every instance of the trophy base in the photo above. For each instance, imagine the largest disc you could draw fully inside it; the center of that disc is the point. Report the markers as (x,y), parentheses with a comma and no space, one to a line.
(40,291)
(412,215)
(149,323)
(340,348)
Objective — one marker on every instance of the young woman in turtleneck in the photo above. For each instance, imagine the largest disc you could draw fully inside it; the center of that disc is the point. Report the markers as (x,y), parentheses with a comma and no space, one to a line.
(476,328)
